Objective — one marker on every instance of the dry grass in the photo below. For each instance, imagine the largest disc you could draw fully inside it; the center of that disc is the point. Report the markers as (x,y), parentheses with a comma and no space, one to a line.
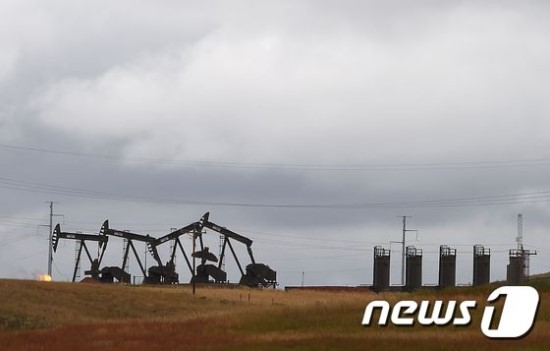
(58,316)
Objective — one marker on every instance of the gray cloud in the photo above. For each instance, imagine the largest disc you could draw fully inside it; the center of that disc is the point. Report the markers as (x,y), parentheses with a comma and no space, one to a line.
(247,104)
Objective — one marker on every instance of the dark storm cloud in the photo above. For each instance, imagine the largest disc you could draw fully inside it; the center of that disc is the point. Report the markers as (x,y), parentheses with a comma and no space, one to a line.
(294,84)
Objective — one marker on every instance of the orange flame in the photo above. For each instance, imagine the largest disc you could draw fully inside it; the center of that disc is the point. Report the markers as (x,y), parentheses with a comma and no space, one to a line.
(45,278)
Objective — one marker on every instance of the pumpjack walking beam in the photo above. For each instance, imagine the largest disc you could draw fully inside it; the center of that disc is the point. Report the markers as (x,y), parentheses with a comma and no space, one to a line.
(106,230)
(82,238)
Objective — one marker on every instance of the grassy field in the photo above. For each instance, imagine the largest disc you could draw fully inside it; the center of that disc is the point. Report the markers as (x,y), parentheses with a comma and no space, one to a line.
(62,316)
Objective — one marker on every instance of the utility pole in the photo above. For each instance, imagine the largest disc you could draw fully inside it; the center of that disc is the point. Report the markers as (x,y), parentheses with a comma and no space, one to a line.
(403,246)
(50,248)
(145,257)
(222,257)
(173,245)
(194,247)
(50,236)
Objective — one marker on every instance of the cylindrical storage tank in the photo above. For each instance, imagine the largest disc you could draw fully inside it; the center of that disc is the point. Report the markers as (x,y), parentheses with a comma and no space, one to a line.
(515,268)
(482,265)
(447,267)
(381,273)
(413,269)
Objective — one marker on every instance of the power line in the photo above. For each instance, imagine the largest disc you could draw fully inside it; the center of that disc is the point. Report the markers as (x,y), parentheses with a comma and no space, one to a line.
(17,224)
(316,239)
(16,239)
(26,218)
(518,198)
(472,165)
(19,258)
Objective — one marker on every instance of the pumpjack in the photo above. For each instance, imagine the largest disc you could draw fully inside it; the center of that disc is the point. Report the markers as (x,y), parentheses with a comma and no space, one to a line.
(118,272)
(167,274)
(82,238)
(255,274)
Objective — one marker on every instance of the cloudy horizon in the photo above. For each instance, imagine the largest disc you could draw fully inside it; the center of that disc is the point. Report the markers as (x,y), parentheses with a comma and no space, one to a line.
(307,126)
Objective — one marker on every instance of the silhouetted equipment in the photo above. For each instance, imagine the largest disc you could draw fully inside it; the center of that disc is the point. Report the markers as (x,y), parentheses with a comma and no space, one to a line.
(381,271)
(82,238)
(256,273)
(514,270)
(414,268)
(482,265)
(167,274)
(447,267)
(205,254)
(205,271)
(109,274)
(106,230)
(162,274)
(517,270)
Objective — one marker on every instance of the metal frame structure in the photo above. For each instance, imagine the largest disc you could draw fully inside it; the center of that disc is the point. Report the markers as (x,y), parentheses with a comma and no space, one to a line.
(81,238)
(167,272)
(228,234)
(254,274)
(517,270)
(106,230)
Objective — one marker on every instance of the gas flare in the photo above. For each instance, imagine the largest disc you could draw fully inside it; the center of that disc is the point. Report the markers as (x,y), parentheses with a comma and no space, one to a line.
(45,278)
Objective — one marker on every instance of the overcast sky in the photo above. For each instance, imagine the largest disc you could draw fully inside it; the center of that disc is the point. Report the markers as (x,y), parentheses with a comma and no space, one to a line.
(307,126)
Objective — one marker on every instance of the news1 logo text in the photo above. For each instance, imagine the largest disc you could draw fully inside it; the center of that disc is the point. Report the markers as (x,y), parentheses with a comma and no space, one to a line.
(516,319)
